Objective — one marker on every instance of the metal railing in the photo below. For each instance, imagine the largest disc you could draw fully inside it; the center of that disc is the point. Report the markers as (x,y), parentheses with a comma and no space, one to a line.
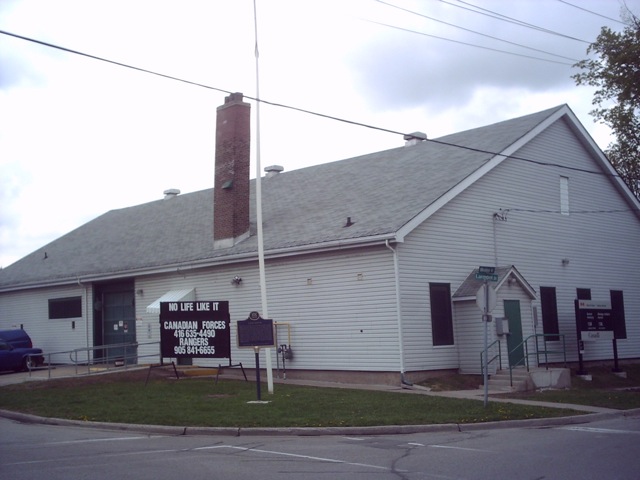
(525,345)
(492,359)
(85,357)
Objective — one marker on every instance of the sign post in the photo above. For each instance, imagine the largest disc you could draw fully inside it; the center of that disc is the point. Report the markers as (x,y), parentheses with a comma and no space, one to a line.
(486,301)
(257,352)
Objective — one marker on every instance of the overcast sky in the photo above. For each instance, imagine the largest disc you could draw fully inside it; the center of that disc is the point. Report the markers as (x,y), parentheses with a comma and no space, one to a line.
(80,137)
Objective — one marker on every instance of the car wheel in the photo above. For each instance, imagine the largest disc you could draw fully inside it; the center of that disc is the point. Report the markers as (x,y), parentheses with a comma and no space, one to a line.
(28,364)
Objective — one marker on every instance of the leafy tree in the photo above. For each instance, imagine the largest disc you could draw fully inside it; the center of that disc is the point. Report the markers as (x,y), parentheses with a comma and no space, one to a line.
(616,75)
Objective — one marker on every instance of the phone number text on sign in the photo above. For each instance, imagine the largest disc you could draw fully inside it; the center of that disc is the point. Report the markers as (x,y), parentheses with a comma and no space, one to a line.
(195,329)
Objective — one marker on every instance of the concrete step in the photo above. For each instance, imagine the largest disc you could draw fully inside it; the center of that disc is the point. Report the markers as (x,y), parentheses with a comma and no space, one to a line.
(502,381)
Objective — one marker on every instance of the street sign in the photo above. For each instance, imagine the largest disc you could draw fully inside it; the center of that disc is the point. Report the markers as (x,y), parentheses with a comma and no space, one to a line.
(490,277)
(486,269)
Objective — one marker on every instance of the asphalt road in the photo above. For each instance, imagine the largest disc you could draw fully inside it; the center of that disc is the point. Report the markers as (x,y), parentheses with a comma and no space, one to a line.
(605,449)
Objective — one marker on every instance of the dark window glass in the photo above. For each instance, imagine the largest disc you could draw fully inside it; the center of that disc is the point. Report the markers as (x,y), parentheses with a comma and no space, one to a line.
(617,312)
(441,317)
(70,307)
(583,293)
(549,312)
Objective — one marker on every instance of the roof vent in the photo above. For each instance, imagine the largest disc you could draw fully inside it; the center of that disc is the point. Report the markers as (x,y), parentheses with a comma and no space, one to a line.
(273,170)
(170,193)
(414,138)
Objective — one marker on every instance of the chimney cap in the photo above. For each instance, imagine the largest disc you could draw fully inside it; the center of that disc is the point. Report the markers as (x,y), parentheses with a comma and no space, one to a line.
(273,170)
(415,136)
(171,192)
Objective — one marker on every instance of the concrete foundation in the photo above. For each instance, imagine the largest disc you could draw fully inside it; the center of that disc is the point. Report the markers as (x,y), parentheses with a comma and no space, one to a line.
(551,378)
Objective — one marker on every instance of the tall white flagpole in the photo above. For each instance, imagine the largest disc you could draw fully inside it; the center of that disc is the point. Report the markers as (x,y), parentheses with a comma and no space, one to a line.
(263,278)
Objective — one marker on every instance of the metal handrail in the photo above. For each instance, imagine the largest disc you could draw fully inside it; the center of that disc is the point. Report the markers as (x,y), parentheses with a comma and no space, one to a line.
(546,352)
(537,353)
(74,355)
(489,361)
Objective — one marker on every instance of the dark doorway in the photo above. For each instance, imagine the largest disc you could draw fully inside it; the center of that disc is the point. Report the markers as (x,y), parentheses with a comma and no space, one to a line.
(514,339)
(115,322)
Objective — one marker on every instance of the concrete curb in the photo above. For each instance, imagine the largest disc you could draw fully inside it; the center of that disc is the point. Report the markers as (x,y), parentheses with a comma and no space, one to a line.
(317,431)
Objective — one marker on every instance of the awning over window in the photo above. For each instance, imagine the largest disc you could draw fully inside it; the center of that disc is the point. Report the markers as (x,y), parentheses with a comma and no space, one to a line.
(184,295)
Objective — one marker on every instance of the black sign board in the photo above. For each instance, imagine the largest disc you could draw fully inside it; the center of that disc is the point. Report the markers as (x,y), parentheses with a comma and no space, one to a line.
(256,332)
(198,329)
(594,320)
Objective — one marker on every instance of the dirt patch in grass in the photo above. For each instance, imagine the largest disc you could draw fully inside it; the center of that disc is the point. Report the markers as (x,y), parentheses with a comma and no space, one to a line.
(604,389)
(602,378)
(451,382)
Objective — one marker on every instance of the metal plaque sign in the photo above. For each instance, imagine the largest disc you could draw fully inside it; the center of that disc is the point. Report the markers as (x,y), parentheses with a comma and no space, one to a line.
(256,331)
(198,329)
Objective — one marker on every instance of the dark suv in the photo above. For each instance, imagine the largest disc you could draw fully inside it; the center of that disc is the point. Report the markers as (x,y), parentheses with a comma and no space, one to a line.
(17,352)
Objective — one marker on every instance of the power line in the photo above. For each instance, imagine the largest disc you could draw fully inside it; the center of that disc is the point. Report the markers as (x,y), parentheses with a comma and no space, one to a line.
(505,18)
(469,44)
(528,160)
(310,112)
(591,12)
(474,31)
(113,62)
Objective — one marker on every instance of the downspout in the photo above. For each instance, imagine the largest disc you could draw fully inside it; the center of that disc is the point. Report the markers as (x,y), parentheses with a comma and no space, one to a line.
(396,273)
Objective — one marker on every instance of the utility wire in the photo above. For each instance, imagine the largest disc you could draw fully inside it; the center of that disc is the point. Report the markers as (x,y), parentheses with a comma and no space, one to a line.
(469,44)
(113,62)
(505,18)
(591,12)
(310,112)
(474,31)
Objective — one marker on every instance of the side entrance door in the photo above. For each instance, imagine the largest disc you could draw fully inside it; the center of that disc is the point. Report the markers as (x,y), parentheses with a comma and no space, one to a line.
(514,340)
(119,323)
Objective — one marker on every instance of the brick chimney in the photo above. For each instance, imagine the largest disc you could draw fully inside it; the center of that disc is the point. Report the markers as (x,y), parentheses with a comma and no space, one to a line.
(231,186)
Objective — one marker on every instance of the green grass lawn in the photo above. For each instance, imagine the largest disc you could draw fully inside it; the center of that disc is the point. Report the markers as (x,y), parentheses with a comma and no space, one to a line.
(605,389)
(124,398)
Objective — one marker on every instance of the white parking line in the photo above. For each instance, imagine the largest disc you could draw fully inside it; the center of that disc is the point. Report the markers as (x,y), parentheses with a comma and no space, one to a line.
(89,440)
(296,455)
(461,448)
(600,430)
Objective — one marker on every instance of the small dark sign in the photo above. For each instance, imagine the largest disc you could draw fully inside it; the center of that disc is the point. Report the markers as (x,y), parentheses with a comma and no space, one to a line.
(195,329)
(594,320)
(256,332)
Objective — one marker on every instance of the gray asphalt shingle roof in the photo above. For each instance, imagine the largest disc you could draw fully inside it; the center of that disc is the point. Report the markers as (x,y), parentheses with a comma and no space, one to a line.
(380,192)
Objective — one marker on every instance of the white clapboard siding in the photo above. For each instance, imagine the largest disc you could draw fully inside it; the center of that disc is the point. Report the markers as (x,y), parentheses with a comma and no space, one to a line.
(470,330)
(535,238)
(470,337)
(538,240)
(445,249)
(56,337)
(341,307)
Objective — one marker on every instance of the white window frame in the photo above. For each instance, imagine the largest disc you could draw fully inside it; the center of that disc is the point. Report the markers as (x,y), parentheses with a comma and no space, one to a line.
(564,195)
